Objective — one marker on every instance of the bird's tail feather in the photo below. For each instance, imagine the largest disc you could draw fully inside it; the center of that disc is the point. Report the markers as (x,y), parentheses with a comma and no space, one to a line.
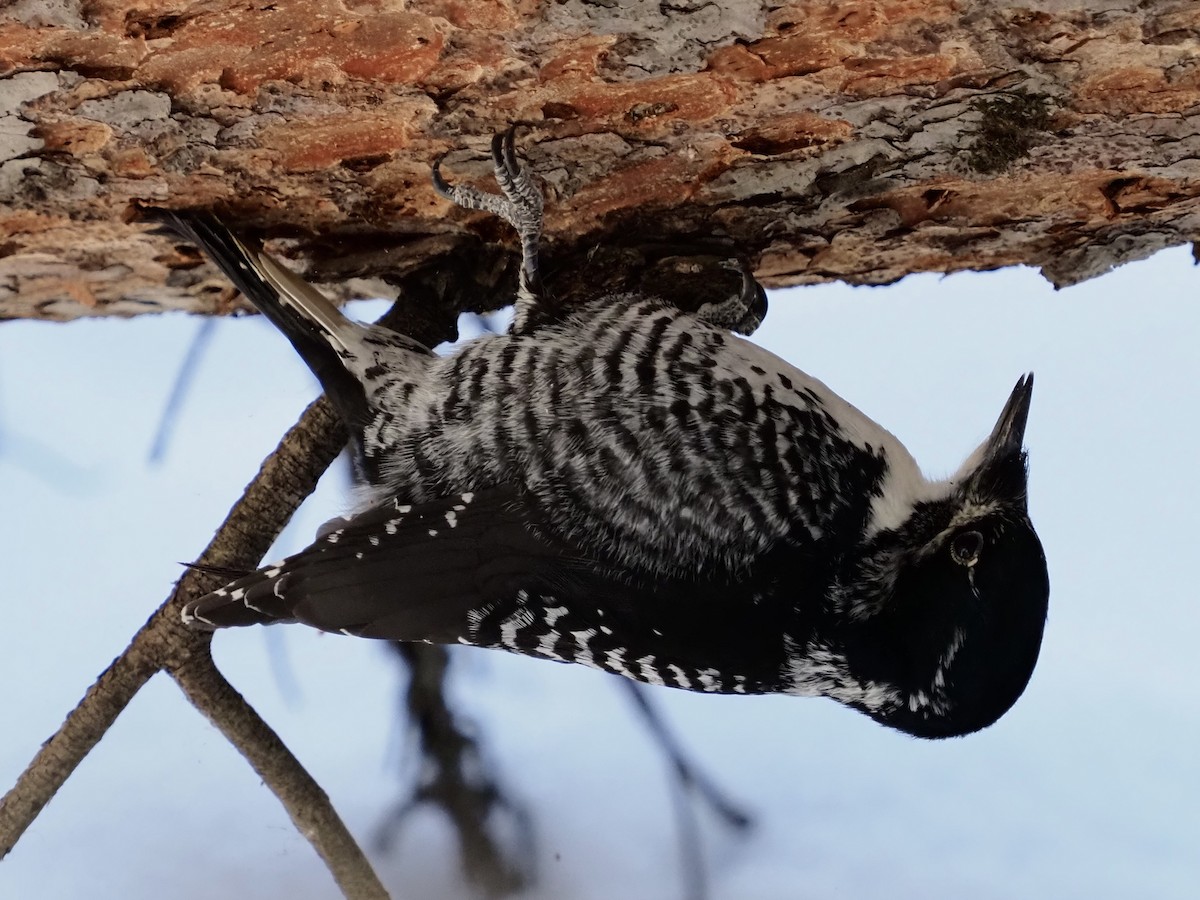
(322,336)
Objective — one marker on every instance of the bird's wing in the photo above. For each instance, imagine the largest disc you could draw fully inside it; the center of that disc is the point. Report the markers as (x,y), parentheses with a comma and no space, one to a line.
(477,568)
(407,569)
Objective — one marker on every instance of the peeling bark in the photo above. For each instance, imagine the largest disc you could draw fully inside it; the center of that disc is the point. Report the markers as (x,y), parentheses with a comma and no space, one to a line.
(858,141)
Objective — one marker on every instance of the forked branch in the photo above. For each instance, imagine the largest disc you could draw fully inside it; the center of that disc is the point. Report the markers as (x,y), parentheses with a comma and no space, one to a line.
(163,644)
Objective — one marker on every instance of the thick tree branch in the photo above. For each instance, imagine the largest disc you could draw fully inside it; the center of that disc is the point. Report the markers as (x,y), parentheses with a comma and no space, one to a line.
(856,140)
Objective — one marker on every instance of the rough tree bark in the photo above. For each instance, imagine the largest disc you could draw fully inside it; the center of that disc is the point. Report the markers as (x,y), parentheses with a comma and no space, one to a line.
(858,140)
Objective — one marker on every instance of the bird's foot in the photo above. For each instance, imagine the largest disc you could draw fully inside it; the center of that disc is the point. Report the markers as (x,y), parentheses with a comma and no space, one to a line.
(519,204)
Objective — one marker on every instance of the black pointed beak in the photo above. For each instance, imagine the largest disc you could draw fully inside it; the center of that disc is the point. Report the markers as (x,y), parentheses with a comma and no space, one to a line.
(999,468)
(1008,436)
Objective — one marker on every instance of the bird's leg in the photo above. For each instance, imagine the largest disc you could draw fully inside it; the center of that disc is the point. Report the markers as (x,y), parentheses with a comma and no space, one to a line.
(520,205)
(742,312)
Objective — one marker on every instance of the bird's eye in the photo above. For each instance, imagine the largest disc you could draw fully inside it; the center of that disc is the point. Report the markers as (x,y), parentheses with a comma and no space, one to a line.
(966,547)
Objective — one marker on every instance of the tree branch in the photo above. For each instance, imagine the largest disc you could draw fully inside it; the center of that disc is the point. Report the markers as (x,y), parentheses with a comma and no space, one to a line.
(456,778)
(305,801)
(79,733)
(163,643)
(285,479)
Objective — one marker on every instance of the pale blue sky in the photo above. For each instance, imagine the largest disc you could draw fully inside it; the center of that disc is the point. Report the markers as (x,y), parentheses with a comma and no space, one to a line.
(1087,789)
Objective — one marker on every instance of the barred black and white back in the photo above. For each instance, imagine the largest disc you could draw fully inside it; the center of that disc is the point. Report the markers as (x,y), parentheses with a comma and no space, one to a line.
(635,488)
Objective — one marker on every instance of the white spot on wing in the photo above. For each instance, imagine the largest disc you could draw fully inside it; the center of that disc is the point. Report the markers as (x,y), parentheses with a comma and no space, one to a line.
(614,661)
(708,679)
(475,616)
(509,628)
(546,645)
(583,650)
(681,678)
(650,673)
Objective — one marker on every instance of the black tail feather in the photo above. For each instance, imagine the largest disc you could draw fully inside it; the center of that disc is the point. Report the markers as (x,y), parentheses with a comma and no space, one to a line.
(306,317)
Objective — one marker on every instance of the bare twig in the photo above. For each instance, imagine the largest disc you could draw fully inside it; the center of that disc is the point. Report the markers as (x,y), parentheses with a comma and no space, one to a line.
(163,643)
(183,382)
(687,782)
(687,773)
(456,779)
(305,801)
(691,848)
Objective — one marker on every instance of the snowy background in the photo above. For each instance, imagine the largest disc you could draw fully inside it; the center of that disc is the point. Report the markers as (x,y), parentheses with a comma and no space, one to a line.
(1089,788)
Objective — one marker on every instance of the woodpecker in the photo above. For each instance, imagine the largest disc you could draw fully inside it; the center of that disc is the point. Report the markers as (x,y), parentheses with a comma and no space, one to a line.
(636,488)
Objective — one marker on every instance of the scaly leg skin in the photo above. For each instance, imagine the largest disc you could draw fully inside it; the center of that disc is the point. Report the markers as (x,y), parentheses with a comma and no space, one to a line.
(520,205)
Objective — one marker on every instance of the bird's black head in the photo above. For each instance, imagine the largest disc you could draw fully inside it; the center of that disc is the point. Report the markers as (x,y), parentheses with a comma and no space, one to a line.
(962,592)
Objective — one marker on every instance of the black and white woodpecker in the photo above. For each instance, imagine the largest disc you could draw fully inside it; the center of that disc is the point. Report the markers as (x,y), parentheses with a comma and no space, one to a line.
(635,488)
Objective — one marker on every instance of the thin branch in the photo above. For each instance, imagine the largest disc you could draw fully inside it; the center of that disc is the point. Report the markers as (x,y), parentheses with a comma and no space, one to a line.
(182,384)
(687,773)
(81,731)
(284,480)
(687,782)
(305,801)
(455,778)
(691,846)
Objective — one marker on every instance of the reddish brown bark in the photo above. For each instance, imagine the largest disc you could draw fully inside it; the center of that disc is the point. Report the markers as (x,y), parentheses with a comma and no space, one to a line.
(851,140)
